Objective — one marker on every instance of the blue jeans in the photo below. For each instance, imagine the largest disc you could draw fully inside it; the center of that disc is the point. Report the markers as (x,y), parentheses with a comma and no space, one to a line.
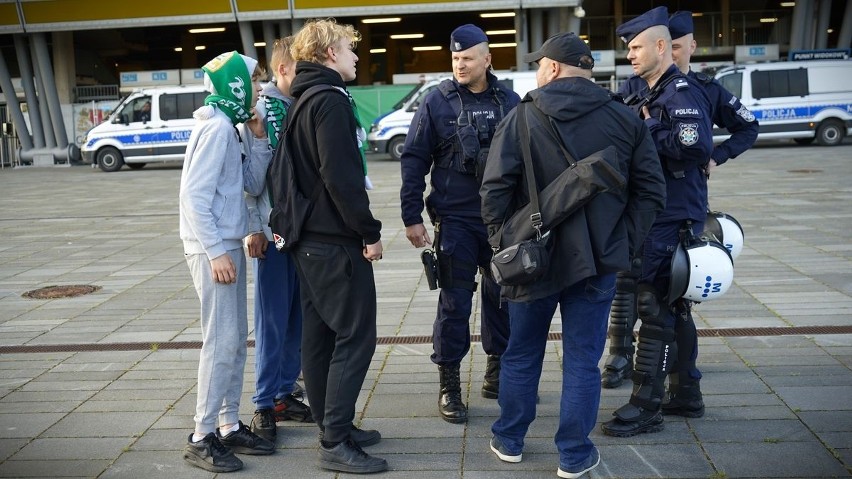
(277,327)
(585,310)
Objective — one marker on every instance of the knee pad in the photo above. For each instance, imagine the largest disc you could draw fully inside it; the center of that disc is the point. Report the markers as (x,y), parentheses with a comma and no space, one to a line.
(648,304)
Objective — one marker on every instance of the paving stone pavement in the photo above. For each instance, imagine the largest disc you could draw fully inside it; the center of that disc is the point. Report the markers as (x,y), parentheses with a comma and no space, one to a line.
(777,405)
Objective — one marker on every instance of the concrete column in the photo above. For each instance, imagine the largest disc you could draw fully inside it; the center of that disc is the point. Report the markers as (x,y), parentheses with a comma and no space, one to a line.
(522,39)
(364,75)
(822,24)
(552,22)
(12,105)
(573,21)
(43,110)
(49,80)
(797,25)
(536,28)
(247,38)
(63,66)
(27,76)
(845,39)
(727,36)
(268,37)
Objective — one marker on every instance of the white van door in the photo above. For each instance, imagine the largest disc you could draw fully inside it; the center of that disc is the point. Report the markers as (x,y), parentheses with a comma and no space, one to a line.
(176,122)
(135,124)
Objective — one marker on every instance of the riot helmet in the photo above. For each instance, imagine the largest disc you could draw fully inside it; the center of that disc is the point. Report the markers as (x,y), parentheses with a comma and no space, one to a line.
(727,230)
(701,270)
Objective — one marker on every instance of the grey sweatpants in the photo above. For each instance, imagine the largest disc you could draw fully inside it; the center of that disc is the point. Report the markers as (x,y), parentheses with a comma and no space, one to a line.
(224,330)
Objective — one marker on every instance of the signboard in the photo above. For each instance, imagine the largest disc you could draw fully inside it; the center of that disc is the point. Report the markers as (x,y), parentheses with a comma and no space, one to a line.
(191,76)
(604,61)
(825,54)
(756,53)
(149,78)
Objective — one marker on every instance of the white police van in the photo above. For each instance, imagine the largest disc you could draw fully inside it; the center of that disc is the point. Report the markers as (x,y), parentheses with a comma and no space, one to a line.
(802,100)
(149,125)
(387,133)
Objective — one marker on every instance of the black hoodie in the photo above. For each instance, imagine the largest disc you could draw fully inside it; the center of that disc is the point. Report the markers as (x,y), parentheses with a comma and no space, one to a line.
(325,148)
(601,237)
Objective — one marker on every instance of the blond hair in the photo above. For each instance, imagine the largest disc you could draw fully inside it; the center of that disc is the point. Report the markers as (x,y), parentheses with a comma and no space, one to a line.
(281,53)
(313,40)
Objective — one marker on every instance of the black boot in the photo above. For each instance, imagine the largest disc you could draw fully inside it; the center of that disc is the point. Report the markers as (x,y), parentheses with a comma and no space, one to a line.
(491,385)
(450,403)
(684,399)
(617,368)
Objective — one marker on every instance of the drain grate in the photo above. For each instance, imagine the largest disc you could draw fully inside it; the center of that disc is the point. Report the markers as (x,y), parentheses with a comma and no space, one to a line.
(56,292)
(387,340)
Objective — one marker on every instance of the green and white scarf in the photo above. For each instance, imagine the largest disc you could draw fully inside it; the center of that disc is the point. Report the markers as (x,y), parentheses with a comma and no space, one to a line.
(228,78)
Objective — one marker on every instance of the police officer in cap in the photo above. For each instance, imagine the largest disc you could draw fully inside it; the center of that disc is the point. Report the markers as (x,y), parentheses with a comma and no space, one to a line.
(678,115)
(684,391)
(449,137)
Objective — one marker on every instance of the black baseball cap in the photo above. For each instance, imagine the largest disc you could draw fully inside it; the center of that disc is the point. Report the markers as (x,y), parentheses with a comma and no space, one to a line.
(565,48)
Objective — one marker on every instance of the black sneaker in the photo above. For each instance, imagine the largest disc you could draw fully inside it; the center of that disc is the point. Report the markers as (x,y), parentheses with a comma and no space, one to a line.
(502,453)
(288,408)
(349,457)
(362,437)
(647,422)
(243,441)
(209,454)
(263,424)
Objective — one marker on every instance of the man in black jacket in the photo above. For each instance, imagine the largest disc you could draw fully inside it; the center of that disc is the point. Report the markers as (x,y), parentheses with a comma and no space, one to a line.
(339,240)
(586,249)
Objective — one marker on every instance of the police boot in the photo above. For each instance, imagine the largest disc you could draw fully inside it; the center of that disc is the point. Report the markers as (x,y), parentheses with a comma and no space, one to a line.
(619,364)
(656,350)
(450,403)
(684,398)
(491,385)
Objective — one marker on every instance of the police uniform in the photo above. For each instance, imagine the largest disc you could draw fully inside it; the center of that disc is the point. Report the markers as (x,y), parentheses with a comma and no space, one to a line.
(728,112)
(680,124)
(449,138)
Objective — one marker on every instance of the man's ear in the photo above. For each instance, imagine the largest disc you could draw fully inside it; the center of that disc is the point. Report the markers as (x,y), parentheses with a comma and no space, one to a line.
(661,46)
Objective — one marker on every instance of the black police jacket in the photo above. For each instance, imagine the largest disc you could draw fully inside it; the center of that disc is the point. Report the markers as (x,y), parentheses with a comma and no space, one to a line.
(602,236)
(431,143)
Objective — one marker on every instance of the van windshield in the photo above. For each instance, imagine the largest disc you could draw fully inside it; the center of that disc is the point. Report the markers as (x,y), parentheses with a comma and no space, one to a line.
(407,97)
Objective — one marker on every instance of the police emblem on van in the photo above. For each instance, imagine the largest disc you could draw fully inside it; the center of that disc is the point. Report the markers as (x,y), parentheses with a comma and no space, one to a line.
(688,135)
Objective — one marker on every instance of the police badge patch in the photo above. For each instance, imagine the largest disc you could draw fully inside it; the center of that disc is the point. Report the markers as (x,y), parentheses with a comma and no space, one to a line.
(746,114)
(688,134)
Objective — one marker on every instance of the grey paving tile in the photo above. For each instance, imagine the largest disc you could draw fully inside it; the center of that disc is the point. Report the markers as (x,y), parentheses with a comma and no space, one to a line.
(825,398)
(47,469)
(102,424)
(783,459)
(79,449)
(26,425)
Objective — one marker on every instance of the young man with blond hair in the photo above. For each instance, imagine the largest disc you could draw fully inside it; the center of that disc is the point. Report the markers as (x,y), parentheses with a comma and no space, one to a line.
(277,310)
(339,240)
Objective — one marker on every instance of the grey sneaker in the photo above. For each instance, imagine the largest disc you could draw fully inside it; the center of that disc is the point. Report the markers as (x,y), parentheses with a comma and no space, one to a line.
(574,472)
(209,454)
(263,424)
(503,454)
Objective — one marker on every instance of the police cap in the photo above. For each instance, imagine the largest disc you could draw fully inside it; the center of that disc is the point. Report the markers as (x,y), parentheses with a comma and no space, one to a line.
(628,30)
(680,24)
(565,48)
(465,37)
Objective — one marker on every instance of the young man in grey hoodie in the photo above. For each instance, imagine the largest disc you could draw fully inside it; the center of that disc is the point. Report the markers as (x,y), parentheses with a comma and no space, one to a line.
(213,223)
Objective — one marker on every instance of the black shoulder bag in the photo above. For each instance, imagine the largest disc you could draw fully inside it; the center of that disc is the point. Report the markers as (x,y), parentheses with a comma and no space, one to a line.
(524,262)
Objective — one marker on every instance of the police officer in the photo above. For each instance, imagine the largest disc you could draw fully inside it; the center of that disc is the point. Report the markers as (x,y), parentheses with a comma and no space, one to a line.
(449,137)
(678,115)
(730,114)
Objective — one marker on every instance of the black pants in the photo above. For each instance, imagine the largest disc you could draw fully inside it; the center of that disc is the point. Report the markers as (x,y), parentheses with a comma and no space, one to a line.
(338,294)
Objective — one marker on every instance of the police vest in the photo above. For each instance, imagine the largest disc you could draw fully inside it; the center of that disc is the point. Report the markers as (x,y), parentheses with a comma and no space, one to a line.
(475,124)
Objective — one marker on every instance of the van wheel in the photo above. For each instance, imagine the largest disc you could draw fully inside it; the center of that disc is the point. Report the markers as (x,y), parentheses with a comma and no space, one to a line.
(830,132)
(110,159)
(804,141)
(395,147)
(136,166)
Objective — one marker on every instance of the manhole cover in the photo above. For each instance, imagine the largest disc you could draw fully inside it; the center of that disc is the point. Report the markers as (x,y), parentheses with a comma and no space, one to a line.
(804,170)
(54,292)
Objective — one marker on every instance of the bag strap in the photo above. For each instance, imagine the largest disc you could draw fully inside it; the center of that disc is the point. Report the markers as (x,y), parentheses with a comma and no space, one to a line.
(535,216)
(546,120)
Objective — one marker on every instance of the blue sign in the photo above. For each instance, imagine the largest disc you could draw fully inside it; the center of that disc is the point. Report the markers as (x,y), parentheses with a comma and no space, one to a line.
(159,76)
(198,74)
(757,51)
(128,77)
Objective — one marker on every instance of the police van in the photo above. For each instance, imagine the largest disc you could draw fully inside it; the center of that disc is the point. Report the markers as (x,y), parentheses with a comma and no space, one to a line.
(802,100)
(149,125)
(387,133)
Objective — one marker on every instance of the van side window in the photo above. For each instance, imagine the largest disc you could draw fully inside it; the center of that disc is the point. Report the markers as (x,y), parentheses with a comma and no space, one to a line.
(180,105)
(776,83)
(733,83)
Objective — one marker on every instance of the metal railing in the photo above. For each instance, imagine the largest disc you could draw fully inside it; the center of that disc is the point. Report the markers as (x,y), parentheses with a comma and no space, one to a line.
(96,93)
